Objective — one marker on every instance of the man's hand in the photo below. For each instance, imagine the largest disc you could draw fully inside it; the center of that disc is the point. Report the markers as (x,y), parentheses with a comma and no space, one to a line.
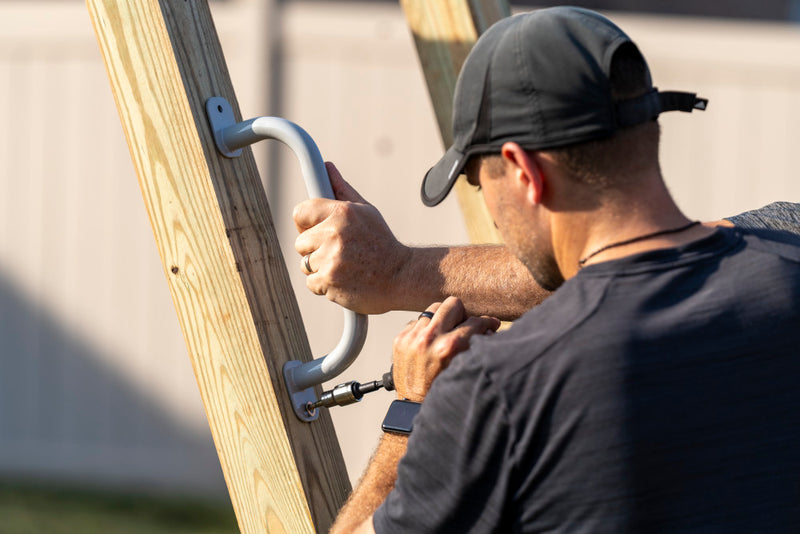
(426,346)
(353,253)
(421,352)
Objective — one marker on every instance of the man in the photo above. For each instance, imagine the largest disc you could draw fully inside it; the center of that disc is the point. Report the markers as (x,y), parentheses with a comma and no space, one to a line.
(655,389)
(358,262)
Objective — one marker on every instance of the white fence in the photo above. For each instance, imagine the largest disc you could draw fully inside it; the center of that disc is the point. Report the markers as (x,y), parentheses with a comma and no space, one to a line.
(95,383)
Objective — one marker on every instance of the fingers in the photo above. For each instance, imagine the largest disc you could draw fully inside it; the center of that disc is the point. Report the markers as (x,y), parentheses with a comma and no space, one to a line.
(451,315)
(316,286)
(484,324)
(347,251)
(427,316)
(310,266)
(428,344)
(315,210)
(305,264)
(447,314)
(341,188)
(474,326)
(448,331)
(311,212)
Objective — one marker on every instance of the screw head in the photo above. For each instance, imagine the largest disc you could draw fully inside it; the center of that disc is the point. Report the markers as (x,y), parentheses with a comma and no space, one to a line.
(311,410)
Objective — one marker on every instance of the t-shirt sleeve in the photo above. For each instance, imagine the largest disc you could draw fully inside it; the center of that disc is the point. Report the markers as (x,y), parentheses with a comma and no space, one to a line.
(776,216)
(456,474)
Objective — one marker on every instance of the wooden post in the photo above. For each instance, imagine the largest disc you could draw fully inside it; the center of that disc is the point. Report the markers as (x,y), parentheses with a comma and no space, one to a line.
(444,32)
(223,264)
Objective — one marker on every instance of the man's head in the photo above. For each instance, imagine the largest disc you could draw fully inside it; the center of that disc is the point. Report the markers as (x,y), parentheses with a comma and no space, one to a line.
(613,161)
(543,81)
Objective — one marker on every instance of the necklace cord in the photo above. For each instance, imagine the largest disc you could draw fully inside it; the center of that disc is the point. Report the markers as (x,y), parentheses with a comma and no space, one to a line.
(583,261)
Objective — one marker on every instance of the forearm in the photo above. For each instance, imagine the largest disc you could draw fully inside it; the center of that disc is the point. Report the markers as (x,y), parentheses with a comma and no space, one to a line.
(376,484)
(487,278)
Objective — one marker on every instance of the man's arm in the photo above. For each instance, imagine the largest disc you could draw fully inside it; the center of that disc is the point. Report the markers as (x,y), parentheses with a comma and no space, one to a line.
(376,484)
(358,263)
(421,351)
(488,279)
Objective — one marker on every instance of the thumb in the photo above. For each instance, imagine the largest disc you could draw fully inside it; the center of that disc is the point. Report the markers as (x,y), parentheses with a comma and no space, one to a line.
(341,189)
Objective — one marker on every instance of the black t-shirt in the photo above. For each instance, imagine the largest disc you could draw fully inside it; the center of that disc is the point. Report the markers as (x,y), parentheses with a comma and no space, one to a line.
(654,393)
(776,216)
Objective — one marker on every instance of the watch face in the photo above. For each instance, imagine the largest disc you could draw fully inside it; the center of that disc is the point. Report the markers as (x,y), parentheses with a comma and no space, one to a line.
(400,417)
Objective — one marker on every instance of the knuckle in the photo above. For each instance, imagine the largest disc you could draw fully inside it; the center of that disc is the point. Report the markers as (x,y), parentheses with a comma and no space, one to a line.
(313,285)
(336,247)
(300,245)
(342,209)
(450,346)
(427,335)
(445,347)
(297,212)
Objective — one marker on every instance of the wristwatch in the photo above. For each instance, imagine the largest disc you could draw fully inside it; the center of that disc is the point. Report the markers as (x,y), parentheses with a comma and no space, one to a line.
(400,417)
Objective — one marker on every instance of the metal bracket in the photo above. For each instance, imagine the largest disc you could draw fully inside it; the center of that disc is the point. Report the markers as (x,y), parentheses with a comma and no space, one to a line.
(220,117)
(301,398)
(230,137)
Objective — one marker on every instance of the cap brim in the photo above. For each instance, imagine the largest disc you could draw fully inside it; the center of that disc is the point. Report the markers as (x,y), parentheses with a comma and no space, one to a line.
(440,179)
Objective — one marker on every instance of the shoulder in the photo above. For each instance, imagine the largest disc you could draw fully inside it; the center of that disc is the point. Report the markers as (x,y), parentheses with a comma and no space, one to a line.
(506,361)
(457,470)
(778,216)
(779,244)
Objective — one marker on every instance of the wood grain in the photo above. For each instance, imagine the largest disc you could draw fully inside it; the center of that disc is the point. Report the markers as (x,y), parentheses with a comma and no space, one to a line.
(228,280)
(444,33)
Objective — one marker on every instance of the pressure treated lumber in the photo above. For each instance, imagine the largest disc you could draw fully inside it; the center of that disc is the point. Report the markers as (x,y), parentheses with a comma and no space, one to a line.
(444,33)
(223,264)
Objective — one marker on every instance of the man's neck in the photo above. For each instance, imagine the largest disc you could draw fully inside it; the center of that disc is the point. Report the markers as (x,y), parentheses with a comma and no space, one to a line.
(620,228)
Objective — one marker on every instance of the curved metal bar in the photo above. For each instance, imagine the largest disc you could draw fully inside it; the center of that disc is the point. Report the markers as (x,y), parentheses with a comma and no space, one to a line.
(230,138)
(327,367)
(312,165)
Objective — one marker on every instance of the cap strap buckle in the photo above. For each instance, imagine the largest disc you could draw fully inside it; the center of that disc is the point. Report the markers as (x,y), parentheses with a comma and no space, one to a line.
(651,104)
(679,101)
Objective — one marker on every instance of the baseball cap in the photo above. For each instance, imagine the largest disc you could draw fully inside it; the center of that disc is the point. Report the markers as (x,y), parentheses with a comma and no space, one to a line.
(541,79)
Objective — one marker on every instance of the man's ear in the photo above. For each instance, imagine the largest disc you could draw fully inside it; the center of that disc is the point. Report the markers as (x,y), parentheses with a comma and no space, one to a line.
(527,172)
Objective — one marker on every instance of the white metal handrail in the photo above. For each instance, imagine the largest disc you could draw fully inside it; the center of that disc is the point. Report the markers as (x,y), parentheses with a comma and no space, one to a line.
(230,138)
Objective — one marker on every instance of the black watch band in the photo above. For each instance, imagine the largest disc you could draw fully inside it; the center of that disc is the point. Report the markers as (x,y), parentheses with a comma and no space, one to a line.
(400,417)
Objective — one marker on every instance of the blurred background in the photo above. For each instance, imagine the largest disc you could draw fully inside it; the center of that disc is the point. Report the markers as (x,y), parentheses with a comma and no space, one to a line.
(99,409)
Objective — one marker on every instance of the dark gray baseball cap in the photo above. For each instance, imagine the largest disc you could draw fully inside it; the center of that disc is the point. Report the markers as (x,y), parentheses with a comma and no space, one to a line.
(541,79)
